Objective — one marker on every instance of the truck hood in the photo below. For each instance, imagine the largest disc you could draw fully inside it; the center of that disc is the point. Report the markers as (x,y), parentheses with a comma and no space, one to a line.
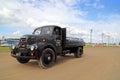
(31,39)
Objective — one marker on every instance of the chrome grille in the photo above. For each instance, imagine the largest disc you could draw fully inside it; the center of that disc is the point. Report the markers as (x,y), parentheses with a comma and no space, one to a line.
(23,40)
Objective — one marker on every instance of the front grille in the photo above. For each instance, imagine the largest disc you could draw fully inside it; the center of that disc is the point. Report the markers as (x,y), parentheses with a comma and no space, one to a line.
(24,52)
(22,46)
(23,40)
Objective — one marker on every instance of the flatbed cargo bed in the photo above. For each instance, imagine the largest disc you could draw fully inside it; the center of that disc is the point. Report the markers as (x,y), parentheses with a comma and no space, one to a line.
(74,42)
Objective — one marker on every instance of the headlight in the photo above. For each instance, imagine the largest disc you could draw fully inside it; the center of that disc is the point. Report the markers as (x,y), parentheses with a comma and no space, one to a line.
(32,48)
(13,46)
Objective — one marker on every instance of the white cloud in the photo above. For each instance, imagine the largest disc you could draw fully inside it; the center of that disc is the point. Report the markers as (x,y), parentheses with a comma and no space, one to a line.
(16,33)
(71,2)
(8,12)
(57,12)
(96,4)
(76,31)
(5,12)
(110,34)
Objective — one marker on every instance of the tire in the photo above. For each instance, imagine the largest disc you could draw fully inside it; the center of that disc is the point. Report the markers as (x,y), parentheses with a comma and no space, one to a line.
(78,52)
(22,60)
(47,58)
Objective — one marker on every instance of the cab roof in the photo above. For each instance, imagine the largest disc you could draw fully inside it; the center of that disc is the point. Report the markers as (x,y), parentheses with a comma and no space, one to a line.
(53,26)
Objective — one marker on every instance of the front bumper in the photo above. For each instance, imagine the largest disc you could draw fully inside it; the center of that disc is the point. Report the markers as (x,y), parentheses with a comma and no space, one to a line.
(25,57)
(24,53)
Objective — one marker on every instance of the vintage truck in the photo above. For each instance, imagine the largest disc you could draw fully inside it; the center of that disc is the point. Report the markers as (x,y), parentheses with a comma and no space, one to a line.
(45,44)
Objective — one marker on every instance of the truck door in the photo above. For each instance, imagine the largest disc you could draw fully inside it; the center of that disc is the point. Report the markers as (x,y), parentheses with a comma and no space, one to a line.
(58,39)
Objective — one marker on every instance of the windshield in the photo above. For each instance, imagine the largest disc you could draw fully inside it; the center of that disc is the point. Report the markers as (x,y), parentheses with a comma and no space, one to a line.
(37,31)
(43,30)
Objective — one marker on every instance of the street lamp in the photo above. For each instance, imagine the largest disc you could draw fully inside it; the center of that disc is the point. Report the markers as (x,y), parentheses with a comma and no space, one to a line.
(108,40)
(102,37)
(91,35)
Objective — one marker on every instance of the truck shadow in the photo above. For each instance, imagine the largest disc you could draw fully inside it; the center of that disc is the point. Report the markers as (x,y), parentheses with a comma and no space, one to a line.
(63,59)
(33,63)
(60,60)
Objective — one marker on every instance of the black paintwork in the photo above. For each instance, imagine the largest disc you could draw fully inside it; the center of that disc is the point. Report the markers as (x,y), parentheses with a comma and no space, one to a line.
(45,39)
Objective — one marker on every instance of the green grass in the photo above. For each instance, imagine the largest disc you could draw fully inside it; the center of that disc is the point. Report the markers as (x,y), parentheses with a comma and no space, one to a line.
(4,49)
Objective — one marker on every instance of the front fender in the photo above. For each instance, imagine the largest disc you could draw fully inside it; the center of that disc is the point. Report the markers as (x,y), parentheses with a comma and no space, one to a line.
(42,46)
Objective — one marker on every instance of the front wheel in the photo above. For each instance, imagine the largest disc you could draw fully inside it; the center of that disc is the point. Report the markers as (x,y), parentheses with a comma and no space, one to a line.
(78,52)
(47,58)
(22,60)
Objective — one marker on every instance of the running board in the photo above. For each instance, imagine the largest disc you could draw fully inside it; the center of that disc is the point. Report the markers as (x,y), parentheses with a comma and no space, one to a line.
(66,51)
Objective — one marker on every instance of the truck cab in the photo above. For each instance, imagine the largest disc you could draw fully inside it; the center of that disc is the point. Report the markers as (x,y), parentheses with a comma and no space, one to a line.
(44,45)
(50,36)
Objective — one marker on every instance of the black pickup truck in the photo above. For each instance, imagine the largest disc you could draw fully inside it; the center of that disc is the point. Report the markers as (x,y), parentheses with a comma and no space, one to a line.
(45,44)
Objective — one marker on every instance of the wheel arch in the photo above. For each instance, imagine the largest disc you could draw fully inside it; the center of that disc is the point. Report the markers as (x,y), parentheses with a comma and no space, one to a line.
(49,46)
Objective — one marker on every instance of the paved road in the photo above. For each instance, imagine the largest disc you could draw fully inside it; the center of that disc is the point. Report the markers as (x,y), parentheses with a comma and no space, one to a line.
(96,64)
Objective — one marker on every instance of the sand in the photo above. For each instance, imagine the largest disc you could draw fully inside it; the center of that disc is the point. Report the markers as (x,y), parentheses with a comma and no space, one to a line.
(97,63)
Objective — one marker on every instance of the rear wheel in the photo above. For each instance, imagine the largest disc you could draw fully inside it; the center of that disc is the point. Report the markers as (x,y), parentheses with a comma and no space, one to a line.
(47,58)
(79,52)
(22,60)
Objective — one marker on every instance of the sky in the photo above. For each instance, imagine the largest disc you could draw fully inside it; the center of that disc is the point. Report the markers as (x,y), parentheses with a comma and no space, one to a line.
(19,17)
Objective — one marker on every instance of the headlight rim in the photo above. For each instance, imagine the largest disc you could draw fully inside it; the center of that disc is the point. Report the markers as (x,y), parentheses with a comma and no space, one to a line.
(32,48)
(13,47)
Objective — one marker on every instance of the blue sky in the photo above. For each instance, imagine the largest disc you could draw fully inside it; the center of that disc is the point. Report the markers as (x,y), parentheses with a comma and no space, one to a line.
(18,17)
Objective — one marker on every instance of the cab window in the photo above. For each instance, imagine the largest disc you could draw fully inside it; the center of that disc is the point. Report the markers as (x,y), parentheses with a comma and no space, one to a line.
(57,31)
